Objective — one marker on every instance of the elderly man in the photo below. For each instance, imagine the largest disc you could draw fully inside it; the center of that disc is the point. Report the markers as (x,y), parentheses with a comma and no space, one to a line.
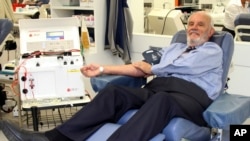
(186,84)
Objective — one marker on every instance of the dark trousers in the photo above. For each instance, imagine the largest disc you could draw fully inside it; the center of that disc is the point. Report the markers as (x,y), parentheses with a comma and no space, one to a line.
(158,102)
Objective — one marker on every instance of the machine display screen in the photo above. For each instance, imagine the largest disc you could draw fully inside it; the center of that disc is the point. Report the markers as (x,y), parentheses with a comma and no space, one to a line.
(55,35)
(189,2)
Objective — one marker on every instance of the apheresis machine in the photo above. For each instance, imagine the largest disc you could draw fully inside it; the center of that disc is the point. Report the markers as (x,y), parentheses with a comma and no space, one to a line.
(50,60)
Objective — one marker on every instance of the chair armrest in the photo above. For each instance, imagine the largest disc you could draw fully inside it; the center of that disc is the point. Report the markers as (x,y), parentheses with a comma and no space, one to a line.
(100,82)
(179,128)
(227,109)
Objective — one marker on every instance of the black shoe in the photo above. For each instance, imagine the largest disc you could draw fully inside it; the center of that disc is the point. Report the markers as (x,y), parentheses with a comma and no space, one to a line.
(14,133)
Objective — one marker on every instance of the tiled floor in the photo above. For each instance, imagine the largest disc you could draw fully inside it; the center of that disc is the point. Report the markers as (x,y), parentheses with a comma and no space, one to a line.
(48,119)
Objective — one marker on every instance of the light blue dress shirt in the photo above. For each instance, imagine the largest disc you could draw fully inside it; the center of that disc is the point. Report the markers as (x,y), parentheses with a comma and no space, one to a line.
(202,66)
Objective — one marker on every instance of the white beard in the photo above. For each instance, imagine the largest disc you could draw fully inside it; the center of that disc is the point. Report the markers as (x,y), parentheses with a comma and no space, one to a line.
(197,41)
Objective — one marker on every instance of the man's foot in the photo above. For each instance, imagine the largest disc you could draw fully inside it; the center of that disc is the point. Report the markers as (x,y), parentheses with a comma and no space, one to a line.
(14,133)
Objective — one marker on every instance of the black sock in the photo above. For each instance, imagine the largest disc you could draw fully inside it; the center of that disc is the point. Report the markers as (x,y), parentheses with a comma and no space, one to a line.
(55,135)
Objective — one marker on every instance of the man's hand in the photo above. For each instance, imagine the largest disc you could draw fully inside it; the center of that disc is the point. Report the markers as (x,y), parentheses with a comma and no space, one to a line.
(90,70)
(144,67)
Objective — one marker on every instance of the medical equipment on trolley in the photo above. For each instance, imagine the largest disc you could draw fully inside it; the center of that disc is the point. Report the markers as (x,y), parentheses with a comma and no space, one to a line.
(50,61)
(165,21)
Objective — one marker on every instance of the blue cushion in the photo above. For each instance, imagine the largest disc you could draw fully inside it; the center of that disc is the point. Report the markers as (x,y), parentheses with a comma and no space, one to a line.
(227,109)
(179,128)
(158,137)
(108,129)
(127,116)
(104,132)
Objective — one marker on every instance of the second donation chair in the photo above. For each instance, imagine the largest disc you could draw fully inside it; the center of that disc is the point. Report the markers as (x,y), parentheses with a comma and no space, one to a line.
(242,27)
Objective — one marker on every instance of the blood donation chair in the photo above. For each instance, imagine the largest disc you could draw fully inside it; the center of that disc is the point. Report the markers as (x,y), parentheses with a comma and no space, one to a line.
(242,27)
(227,109)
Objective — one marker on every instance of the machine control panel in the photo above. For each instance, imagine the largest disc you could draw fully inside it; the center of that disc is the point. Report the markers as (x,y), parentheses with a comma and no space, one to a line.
(54,77)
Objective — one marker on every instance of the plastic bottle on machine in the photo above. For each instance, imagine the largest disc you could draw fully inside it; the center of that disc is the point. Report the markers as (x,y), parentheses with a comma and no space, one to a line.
(84,34)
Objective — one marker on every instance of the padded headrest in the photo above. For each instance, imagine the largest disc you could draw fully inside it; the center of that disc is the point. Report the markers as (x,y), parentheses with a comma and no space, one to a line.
(5,28)
(223,39)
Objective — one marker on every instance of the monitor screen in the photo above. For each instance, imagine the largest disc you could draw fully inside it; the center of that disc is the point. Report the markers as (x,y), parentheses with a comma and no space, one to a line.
(190,2)
(55,35)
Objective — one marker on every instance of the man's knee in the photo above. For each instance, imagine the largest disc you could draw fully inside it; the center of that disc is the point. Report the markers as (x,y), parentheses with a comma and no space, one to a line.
(111,90)
(162,96)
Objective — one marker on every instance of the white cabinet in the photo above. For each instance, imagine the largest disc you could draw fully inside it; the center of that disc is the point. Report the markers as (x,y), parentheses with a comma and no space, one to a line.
(90,10)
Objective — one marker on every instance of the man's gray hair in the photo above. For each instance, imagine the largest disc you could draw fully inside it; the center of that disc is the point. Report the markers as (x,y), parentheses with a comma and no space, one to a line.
(208,15)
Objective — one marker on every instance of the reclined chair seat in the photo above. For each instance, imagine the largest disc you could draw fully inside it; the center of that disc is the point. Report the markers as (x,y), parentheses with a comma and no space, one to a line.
(107,129)
(227,109)
(178,127)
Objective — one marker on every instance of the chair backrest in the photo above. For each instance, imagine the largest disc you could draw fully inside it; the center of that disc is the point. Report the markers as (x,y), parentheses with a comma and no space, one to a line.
(224,40)
(5,28)
(242,27)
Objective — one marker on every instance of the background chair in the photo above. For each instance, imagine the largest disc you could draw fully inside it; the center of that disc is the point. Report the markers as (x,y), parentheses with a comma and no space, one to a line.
(242,27)
(225,110)
(5,28)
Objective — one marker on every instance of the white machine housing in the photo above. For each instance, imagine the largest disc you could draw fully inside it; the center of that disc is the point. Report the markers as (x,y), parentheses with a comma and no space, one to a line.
(52,34)
(165,21)
(50,76)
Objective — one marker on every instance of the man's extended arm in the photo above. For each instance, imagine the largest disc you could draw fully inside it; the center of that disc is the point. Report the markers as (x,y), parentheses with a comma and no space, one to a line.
(137,69)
